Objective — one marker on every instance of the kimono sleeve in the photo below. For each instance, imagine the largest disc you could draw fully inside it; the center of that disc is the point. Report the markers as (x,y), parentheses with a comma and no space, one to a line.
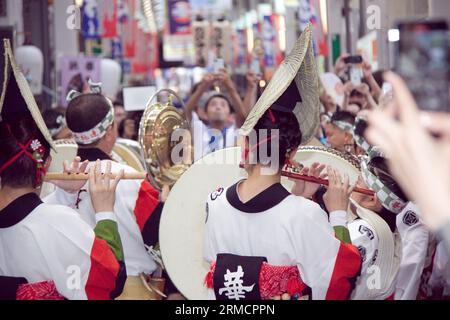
(147,210)
(328,266)
(84,263)
(414,236)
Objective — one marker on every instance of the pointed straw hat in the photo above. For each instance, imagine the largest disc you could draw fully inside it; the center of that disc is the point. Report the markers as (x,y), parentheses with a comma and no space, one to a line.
(294,87)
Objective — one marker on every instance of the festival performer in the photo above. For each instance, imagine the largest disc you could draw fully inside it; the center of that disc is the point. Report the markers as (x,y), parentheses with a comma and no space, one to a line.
(261,240)
(388,233)
(339,132)
(401,217)
(138,205)
(48,251)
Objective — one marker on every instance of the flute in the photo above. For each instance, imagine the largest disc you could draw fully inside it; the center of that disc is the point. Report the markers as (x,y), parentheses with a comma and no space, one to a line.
(53,176)
(324,182)
(298,176)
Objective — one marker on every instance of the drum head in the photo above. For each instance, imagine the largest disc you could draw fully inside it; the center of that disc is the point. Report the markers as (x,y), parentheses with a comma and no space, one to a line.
(339,161)
(128,156)
(184,214)
(66,150)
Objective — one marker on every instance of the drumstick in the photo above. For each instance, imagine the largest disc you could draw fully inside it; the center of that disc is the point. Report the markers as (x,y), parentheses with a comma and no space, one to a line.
(298,176)
(53,176)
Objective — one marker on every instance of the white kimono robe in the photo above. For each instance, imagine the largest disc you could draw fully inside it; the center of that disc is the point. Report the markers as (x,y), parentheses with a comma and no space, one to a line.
(288,231)
(41,243)
(137,208)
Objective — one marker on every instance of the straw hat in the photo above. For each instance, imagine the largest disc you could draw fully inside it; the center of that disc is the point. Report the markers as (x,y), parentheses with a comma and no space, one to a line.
(17,99)
(294,87)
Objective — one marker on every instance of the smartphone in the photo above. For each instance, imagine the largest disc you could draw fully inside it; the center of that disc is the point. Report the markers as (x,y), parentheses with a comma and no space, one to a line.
(423,60)
(353,60)
(354,71)
(256,67)
(218,64)
(386,88)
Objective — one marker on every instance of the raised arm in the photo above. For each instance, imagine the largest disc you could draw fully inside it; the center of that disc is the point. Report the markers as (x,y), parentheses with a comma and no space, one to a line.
(194,99)
(251,92)
(236,101)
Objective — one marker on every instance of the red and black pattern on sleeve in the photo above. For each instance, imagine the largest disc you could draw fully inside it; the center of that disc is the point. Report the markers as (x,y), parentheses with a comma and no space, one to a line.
(347,268)
(107,276)
(148,211)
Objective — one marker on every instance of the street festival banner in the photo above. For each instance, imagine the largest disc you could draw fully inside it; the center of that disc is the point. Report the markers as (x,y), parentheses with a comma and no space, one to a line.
(201,36)
(180,17)
(99,19)
(221,40)
(178,44)
(240,56)
(75,73)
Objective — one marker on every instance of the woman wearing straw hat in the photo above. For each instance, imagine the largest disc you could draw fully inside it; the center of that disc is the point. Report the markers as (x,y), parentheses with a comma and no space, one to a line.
(256,226)
(49,246)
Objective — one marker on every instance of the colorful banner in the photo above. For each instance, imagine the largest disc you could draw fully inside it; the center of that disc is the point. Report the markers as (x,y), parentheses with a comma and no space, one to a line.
(75,73)
(221,40)
(269,40)
(99,19)
(201,37)
(180,17)
(241,56)
(90,20)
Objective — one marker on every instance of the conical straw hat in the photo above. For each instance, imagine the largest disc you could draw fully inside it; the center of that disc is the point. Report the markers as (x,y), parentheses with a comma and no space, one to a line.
(17,99)
(294,87)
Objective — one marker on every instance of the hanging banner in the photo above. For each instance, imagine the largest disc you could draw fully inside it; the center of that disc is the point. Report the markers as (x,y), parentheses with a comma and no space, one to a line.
(201,36)
(269,40)
(241,56)
(221,39)
(75,73)
(99,19)
(180,17)
(109,18)
(147,53)
(128,26)
(90,20)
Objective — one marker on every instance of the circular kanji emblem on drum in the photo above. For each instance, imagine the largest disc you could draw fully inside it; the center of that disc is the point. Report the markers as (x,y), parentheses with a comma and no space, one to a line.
(410,218)
(216,194)
(362,253)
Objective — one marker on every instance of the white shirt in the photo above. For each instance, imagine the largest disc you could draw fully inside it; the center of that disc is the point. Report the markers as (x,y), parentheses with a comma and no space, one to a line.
(207,140)
(294,232)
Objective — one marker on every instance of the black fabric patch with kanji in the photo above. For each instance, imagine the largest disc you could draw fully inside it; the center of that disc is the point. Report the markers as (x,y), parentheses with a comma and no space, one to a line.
(237,277)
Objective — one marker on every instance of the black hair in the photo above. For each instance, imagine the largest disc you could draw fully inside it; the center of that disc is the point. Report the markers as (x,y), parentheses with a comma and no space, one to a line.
(289,134)
(218,95)
(344,116)
(121,129)
(379,167)
(86,111)
(22,172)
(50,118)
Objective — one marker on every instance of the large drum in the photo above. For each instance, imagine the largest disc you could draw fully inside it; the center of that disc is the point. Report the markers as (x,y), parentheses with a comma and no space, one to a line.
(184,215)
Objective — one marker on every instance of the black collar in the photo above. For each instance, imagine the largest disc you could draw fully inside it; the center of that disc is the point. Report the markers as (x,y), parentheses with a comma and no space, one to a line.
(92,154)
(18,210)
(266,200)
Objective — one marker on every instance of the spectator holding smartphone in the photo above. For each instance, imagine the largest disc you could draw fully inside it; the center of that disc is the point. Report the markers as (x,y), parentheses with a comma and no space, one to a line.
(420,163)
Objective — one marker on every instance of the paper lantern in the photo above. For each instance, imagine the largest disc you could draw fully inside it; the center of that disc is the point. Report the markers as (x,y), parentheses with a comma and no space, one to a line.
(110,75)
(31,62)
